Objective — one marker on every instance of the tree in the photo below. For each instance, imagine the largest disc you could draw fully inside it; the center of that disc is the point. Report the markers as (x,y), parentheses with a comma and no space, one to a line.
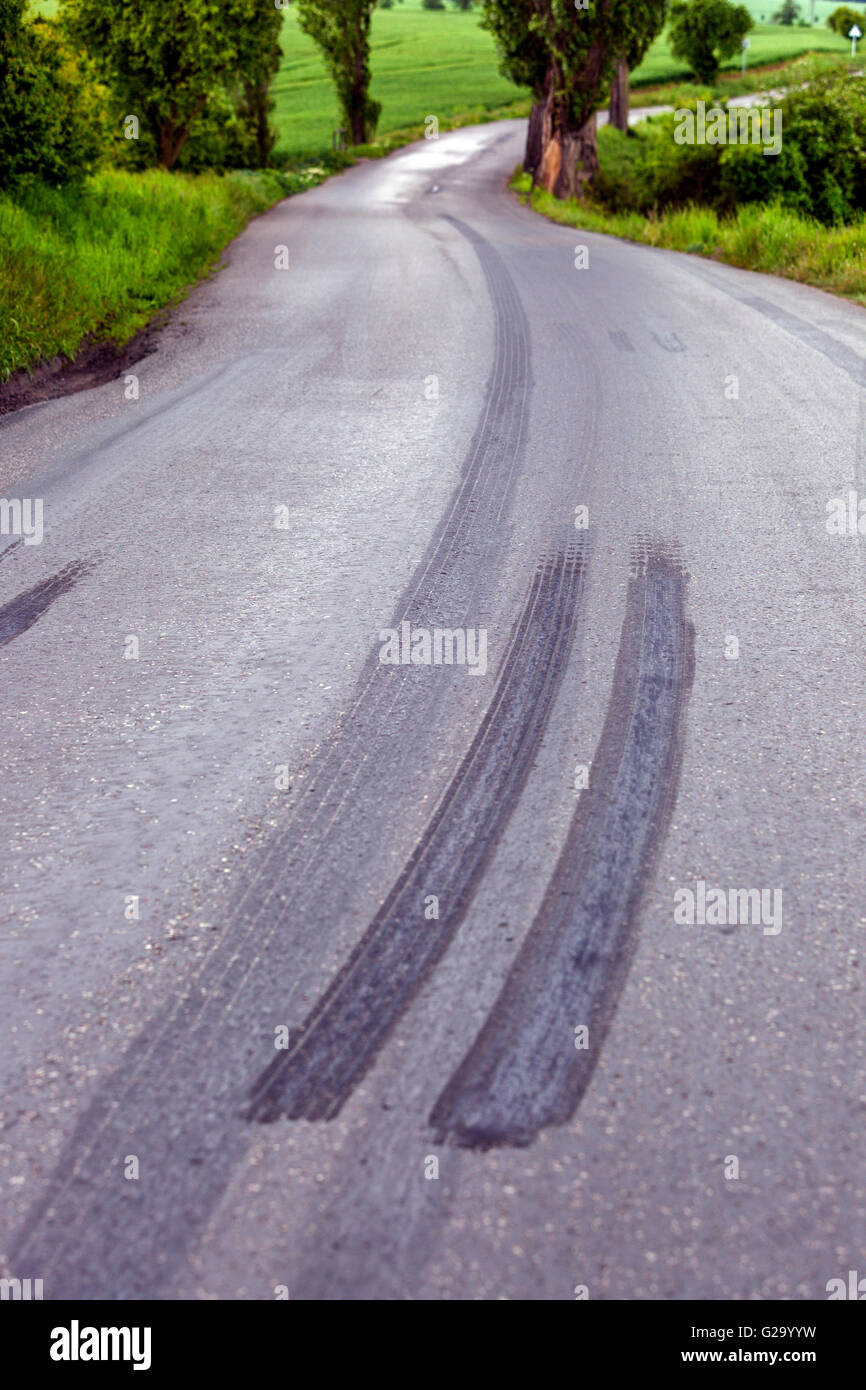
(523,58)
(167,59)
(788,14)
(52,112)
(842,19)
(341,28)
(619,90)
(259,55)
(639,39)
(703,33)
(567,56)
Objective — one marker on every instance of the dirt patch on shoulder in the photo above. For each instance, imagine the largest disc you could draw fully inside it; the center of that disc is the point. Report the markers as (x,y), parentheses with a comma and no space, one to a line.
(94,363)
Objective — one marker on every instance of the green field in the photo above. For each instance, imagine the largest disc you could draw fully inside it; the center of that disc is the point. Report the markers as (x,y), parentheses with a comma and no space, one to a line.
(763,10)
(770,43)
(442,63)
(424,62)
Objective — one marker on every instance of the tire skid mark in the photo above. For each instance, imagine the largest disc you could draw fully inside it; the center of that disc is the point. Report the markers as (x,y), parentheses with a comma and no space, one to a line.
(352,1021)
(839,353)
(68,1230)
(4,554)
(523,1071)
(22,612)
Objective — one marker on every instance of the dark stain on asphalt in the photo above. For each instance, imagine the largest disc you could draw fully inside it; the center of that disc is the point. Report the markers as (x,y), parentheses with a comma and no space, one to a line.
(95,363)
(524,1071)
(22,612)
(621,340)
(354,1018)
(669,341)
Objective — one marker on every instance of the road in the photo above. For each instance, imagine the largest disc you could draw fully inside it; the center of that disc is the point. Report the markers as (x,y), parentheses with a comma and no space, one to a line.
(230,825)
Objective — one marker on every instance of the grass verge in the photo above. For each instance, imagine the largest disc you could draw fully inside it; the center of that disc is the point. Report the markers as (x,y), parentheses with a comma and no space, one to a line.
(769,239)
(96,263)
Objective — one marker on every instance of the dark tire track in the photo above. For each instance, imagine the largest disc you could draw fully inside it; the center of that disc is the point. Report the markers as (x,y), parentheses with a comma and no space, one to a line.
(196,1057)
(22,612)
(351,1022)
(523,1071)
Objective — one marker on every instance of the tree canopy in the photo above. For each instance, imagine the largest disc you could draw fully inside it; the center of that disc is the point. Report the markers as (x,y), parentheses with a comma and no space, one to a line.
(341,28)
(704,33)
(567,56)
(167,60)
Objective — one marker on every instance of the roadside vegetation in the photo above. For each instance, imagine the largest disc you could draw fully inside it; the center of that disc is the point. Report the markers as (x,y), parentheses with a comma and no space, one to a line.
(95,263)
(771,239)
(801,213)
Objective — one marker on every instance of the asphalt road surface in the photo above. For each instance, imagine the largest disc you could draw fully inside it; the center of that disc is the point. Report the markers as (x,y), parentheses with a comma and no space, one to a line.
(231,821)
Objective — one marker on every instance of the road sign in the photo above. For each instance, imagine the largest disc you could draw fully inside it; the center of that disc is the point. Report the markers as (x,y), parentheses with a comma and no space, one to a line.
(854,34)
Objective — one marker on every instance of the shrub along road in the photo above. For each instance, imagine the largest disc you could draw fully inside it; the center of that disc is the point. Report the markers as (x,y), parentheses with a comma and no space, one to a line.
(228,818)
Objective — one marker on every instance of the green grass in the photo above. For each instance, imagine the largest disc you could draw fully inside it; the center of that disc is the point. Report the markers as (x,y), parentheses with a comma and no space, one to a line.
(769,239)
(763,10)
(98,262)
(793,71)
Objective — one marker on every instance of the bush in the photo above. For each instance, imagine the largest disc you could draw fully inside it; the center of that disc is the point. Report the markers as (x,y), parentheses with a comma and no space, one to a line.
(819,172)
(652,171)
(843,18)
(182,69)
(52,111)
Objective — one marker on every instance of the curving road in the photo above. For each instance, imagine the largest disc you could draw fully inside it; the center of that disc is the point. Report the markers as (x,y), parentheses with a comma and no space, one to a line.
(230,825)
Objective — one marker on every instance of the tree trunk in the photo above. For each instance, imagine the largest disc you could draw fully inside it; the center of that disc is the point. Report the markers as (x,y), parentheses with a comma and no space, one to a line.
(619,97)
(356,116)
(173,134)
(570,157)
(534,140)
(172,139)
(258,110)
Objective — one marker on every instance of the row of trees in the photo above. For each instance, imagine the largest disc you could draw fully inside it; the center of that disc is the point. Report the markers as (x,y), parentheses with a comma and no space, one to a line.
(569,56)
(161,71)
(173,67)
